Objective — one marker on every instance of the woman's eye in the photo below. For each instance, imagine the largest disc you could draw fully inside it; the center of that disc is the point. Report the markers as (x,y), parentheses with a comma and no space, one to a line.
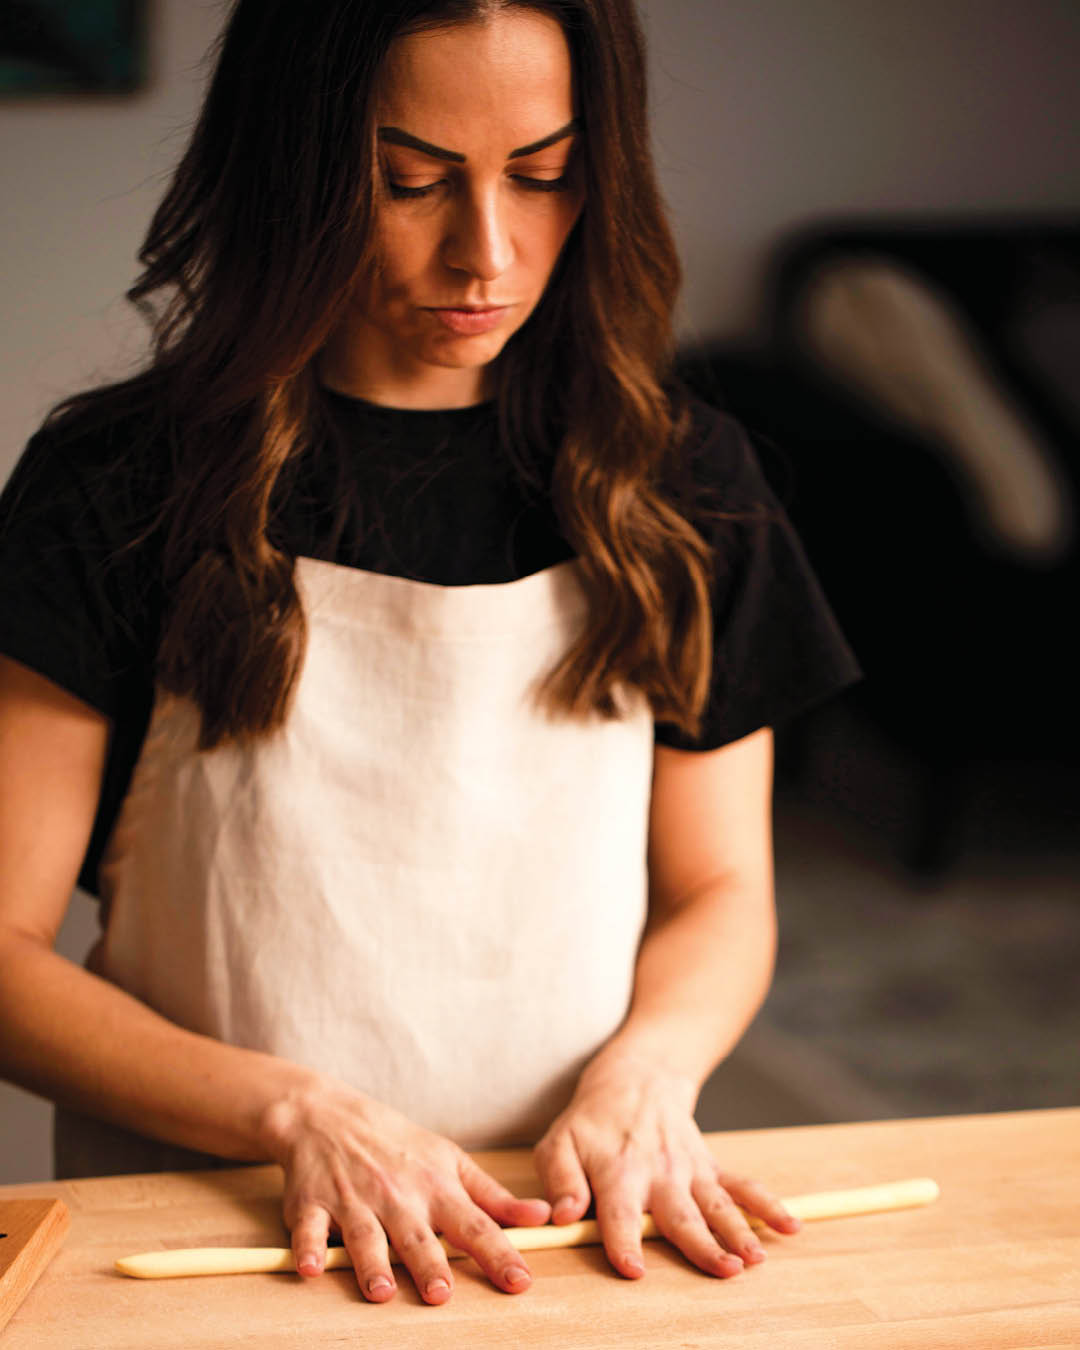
(400,190)
(543,184)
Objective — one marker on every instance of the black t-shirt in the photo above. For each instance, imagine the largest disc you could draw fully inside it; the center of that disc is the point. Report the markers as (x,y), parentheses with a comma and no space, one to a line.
(437,501)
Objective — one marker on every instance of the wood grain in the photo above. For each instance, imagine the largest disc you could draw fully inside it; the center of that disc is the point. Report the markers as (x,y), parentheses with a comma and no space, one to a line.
(994,1264)
(30,1232)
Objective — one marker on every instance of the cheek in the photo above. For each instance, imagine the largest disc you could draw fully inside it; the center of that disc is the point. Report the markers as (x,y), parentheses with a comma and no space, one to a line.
(559,230)
(404,250)
(541,233)
(570,206)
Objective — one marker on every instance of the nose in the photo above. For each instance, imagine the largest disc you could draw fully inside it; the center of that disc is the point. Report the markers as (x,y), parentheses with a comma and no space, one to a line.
(478,241)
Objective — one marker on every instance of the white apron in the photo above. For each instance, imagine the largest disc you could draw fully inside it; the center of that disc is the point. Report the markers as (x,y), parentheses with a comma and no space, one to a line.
(424,885)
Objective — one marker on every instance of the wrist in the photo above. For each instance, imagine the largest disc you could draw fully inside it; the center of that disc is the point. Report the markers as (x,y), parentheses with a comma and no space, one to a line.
(285,1116)
(672,1046)
(642,1060)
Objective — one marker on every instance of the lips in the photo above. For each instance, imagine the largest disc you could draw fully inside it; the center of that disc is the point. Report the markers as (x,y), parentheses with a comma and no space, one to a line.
(470,319)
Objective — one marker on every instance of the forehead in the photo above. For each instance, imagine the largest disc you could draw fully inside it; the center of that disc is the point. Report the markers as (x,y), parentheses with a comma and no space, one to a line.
(480,87)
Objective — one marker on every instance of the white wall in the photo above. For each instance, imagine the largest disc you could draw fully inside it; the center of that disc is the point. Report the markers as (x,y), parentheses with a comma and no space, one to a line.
(767,113)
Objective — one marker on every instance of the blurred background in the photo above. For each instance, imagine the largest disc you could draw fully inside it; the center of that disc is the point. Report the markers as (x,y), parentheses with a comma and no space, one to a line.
(878,208)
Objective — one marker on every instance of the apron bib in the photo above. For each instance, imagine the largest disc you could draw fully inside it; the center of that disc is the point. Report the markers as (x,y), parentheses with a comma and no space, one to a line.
(423,884)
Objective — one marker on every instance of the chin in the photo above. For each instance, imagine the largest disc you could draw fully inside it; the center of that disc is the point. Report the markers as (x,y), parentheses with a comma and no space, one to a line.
(466,353)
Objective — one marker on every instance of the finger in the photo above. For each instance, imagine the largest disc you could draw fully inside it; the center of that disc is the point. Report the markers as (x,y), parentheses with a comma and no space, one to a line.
(679,1218)
(422,1254)
(563,1178)
(726,1220)
(756,1200)
(467,1227)
(503,1205)
(308,1239)
(618,1214)
(369,1252)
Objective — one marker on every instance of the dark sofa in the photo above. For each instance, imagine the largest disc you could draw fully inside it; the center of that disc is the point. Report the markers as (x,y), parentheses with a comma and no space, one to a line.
(917,407)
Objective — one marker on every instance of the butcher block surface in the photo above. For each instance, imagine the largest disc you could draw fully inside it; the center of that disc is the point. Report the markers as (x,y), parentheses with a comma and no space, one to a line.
(994,1263)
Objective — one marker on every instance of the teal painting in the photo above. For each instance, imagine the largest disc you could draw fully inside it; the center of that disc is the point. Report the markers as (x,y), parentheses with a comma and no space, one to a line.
(72,46)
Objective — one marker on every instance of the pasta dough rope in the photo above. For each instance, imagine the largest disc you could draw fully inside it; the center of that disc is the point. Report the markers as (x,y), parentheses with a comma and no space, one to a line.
(168,1264)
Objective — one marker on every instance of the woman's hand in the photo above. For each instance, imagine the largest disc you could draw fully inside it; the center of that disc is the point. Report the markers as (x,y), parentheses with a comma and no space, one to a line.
(629,1137)
(361,1168)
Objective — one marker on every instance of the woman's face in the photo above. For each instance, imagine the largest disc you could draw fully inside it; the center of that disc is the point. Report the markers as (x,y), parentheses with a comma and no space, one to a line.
(471,217)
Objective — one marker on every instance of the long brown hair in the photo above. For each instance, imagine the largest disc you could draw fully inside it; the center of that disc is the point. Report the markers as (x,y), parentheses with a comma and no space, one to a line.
(252,255)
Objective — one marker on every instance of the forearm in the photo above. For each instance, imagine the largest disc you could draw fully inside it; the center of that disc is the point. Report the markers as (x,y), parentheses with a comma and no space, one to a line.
(702,973)
(73,1037)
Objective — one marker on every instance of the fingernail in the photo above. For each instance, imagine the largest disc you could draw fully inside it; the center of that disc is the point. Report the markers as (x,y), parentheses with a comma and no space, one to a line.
(633,1264)
(308,1262)
(755,1250)
(564,1203)
(437,1287)
(515,1277)
(378,1284)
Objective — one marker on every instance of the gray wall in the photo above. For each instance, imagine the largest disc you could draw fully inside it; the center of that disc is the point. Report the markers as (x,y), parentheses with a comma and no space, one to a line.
(767,113)
(80,182)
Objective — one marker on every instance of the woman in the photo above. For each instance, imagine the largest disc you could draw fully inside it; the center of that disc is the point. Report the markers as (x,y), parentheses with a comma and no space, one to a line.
(367,657)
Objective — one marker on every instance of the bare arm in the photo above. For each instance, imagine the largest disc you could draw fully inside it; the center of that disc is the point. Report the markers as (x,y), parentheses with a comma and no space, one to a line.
(707,956)
(628,1137)
(65,1033)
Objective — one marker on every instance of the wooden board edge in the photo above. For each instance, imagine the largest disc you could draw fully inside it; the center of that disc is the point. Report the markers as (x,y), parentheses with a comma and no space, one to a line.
(44,1234)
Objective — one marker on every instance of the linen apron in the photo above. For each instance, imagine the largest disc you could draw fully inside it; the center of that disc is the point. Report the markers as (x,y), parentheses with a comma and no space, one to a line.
(423,885)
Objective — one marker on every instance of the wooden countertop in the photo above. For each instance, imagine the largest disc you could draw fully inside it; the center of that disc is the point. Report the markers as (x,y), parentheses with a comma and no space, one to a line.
(994,1263)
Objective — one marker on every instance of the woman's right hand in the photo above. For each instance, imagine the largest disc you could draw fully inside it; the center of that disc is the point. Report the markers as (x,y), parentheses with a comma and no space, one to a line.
(358,1167)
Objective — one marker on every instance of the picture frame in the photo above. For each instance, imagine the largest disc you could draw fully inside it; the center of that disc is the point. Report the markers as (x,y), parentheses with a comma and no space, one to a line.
(81,47)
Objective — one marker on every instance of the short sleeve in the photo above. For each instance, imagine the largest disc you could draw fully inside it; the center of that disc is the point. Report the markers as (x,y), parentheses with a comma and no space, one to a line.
(80,596)
(777,648)
(72,591)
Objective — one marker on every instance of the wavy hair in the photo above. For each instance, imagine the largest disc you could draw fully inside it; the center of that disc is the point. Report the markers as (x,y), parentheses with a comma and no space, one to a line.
(247,267)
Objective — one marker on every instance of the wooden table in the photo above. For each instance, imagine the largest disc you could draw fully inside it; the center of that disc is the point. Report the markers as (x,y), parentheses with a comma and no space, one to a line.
(994,1263)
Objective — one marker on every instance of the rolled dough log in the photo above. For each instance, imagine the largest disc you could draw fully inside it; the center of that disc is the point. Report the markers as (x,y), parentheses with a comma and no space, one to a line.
(251,1260)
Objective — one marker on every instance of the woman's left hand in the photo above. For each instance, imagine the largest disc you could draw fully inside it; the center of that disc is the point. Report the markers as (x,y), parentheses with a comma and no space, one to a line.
(629,1139)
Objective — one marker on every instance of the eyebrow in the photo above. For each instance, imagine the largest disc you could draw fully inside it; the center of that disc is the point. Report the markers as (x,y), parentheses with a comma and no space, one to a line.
(396,136)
